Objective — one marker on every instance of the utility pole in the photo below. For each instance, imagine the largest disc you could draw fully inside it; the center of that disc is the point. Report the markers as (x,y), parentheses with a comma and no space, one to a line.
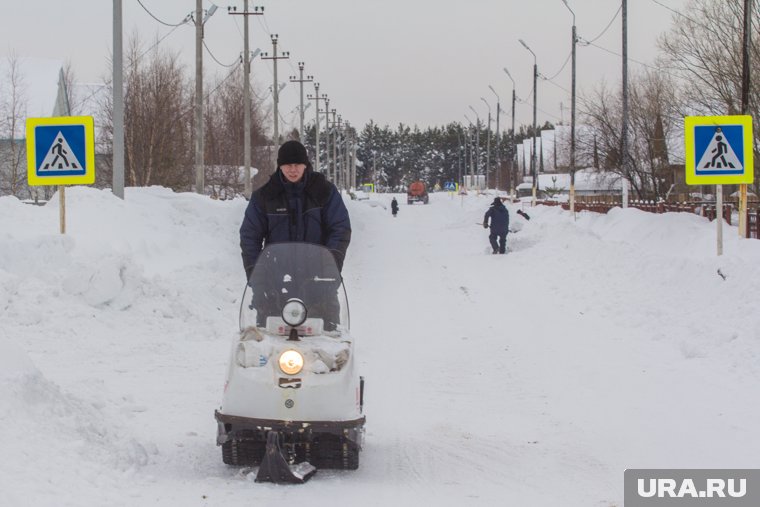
(257,11)
(498,153)
(512,147)
(472,158)
(275,89)
(488,144)
(477,142)
(300,80)
(745,107)
(335,123)
(199,169)
(347,156)
(459,156)
(353,160)
(572,118)
(317,98)
(535,104)
(327,137)
(200,21)
(118,103)
(624,133)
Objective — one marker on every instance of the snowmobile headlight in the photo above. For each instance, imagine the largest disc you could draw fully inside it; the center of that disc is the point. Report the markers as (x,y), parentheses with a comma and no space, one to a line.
(291,362)
(294,312)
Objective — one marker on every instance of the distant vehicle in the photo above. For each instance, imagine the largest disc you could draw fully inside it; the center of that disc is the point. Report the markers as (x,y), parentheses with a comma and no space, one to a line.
(417,193)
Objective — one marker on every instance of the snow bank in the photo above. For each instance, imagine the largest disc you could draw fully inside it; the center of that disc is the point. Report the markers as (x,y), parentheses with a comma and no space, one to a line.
(598,344)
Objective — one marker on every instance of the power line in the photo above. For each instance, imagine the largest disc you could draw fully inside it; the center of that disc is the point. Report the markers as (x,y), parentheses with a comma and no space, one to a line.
(162,22)
(678,13)
(214,57)
(658,69)
(561,68)
(265,28)
(159,41)
(606,28)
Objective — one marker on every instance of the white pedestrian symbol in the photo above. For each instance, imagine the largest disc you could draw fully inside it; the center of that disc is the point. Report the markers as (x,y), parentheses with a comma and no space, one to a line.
(719,156)
(60,157)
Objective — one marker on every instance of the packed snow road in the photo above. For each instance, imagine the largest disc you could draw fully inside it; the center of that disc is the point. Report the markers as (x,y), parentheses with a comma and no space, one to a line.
(533,378)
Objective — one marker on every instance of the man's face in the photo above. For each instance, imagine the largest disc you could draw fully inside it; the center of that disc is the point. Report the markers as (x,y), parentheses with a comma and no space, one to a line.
(293,172)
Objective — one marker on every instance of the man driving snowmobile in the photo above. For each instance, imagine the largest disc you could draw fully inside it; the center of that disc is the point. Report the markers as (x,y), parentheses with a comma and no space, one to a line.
(296,204)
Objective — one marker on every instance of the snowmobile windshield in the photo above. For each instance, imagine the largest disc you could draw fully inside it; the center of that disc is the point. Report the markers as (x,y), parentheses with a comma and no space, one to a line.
(295,271)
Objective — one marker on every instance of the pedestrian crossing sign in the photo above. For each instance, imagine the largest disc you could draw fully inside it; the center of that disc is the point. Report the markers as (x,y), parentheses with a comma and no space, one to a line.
(60,150)
(718,150)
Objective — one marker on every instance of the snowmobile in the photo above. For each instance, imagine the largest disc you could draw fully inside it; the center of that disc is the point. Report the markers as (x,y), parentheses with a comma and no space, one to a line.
(293,400)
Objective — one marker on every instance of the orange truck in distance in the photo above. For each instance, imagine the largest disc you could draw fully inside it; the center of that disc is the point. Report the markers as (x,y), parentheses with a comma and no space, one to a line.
(417,193)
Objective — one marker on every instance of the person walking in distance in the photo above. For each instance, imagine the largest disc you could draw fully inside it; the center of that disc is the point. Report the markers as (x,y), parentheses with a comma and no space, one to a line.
(499,217)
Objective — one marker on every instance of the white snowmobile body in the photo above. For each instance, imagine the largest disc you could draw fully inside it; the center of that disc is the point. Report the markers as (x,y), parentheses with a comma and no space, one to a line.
(292,367)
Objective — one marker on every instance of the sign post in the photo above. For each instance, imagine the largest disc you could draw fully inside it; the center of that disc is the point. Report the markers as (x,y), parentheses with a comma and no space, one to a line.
(60,151)
(718,152)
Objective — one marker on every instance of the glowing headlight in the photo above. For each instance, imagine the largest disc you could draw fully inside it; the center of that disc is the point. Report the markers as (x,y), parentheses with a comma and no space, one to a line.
(294,312)
(291,362)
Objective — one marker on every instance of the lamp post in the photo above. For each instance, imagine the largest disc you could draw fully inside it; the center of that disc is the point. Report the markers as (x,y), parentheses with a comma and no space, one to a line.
(469,144)
(512,147)
(477,142)
(535,100)
(488,143)
(200,20)
(498,153)
(572,119)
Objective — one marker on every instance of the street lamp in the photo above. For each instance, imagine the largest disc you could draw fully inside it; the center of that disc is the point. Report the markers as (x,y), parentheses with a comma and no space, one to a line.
(468,140)
(200,18)
(498,153)
(572,119)
(512,147)
(477,141)
(488,142)
(535,101)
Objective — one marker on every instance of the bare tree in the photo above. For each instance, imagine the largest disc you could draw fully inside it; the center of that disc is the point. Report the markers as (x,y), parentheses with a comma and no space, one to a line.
(704,47)
(13,104)
(653,120)
(224,120)
(157,128)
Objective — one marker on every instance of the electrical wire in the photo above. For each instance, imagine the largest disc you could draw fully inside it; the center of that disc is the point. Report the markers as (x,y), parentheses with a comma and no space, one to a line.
(678,13)
(157,42)
(154,17)
(561,68)
(215,59)
(265,28)
(587,42)
(658,69)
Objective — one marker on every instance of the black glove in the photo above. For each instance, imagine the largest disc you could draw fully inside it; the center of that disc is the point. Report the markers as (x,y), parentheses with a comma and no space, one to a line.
(485,225)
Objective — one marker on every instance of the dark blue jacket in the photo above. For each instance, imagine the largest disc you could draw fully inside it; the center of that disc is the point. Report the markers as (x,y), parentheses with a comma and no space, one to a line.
(499,216)
(310,211)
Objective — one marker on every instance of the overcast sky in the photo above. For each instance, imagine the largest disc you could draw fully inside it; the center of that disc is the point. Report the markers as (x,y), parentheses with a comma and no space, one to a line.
(418,62)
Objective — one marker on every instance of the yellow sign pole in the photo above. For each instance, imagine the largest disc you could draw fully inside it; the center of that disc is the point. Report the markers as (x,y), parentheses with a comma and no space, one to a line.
(719,216)
(62,207)
(743,210)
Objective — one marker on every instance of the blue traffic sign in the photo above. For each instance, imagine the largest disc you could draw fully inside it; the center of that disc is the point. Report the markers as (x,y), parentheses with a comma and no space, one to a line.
(718,150)
(60,151)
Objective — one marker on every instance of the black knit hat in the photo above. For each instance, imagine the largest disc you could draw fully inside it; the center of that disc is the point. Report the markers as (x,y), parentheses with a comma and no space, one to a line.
(497,200)
(292,152)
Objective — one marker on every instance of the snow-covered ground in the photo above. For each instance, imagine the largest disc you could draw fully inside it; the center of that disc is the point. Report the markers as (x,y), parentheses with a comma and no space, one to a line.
(535,378)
